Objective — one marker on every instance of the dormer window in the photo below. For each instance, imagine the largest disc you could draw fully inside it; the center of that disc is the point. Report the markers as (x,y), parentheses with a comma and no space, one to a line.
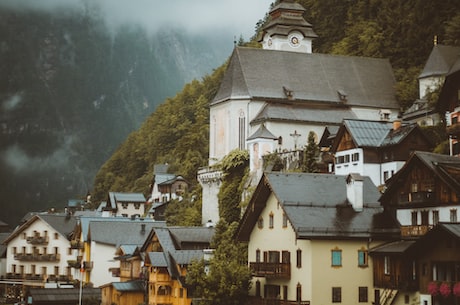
(385,114)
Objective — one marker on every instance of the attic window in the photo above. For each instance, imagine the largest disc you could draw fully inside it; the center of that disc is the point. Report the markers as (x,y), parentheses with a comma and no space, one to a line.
(342,95)
(385,114)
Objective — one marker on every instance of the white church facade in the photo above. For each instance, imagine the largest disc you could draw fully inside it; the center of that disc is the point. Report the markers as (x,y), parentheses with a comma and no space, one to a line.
(272,98)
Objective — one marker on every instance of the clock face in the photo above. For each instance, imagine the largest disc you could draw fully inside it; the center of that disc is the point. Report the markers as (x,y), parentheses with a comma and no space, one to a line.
(294,40)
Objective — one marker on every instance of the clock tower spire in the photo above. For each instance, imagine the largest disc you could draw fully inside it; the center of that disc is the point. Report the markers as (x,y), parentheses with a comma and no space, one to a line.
(287,29)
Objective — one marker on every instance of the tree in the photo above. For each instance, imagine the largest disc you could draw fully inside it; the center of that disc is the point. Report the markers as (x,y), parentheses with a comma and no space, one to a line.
(310,155)
(228,279)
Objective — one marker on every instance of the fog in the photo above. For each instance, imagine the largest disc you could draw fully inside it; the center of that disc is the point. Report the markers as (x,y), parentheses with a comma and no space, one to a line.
(238,17)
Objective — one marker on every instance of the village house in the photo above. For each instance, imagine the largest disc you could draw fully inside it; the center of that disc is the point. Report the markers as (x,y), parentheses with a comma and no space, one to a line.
(423,197)
(291,92)
(100,237)
(168,252)
(424,271)
(376,149)
(120,204)
(442,62)
(424,192)
(449,102)
(307,233)
(38,251)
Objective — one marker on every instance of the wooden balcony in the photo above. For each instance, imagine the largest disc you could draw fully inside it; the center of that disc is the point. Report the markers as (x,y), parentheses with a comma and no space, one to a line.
(76,244)
(271,270)
(88,266)
(38,240)
(30,257)
(408,231)
(417,198)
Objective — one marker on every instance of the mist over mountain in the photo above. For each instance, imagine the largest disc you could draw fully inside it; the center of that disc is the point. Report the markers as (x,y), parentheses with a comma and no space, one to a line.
(73,86)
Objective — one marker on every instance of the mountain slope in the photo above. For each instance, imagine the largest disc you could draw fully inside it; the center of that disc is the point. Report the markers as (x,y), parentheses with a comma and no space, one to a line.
(71,90)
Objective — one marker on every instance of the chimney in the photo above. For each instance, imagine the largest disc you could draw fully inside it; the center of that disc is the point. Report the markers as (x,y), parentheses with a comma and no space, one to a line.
(143,228)
(355,191)
(397,124)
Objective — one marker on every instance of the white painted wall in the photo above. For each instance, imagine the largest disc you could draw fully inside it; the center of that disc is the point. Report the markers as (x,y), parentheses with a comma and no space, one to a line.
(404,216)
(102,256)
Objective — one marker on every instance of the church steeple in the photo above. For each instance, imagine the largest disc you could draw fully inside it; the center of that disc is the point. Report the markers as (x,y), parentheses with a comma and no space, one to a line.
(287,29)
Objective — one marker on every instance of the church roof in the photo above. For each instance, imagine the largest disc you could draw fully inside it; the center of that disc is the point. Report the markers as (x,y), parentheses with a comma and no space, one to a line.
(286,17)
(441,60)
(301,113)
(265,74)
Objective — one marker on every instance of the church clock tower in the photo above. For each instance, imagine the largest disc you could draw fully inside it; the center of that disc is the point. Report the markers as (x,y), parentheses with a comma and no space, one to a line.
(287,29)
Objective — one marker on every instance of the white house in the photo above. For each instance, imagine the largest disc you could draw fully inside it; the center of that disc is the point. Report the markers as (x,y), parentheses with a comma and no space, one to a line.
(377,149)
(38,251)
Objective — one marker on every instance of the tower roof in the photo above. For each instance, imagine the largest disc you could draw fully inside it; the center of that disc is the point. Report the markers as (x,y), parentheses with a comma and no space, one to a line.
(286,17)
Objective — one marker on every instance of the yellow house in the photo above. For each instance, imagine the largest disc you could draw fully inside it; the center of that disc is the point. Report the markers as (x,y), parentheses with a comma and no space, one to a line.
(123,293)
(308,238)
(168,252)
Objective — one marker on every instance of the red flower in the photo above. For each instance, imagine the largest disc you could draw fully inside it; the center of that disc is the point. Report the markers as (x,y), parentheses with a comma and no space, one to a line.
(444,289)
(456,289)
(433,288)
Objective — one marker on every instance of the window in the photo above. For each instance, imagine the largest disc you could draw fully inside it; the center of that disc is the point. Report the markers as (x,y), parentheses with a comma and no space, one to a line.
(24,235)
(273,257)
(260,223)
(56,235)
(355,157)
(258,288)
(56,250)
(299,258)
(124,205)
(414,219)
(362,258)
(453,215)
(386,265)
(298,296)
(414,187)
(340,159)
(181,292)
(257,256)
(385,175)
(286,257)
(137,206)
(336,294)
(271,221)
(15,250)
(56,270)
(363,296)
(336,258)
(435,217)
(285,293)
(346,158)
(285,220)
(241,131)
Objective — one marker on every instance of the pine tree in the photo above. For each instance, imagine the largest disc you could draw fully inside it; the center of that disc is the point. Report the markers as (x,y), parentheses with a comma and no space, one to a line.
(310,155)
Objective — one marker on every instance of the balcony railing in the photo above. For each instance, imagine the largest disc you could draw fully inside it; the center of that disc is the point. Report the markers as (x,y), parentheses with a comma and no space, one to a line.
(38,240)
(407,231)
(417,198)
(30,257)
(271,270)
(88,266)
(38,277)
(76,244)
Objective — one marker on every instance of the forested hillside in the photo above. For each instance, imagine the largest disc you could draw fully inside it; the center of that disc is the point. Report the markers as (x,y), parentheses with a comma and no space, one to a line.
(177,133)
(72,89)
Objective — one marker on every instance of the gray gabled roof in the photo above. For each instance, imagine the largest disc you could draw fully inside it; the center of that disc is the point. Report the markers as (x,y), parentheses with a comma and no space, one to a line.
(376,133)
(64,224)
(115,197)
(192,234)
(317,207)
(442,167)
(262,133)
(121,232)
(262,74)
(441,60)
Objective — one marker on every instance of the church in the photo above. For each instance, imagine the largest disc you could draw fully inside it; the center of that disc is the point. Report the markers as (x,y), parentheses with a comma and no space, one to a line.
(271,98)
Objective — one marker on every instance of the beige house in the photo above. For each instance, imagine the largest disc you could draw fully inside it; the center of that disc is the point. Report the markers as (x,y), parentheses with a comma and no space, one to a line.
(309,234)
